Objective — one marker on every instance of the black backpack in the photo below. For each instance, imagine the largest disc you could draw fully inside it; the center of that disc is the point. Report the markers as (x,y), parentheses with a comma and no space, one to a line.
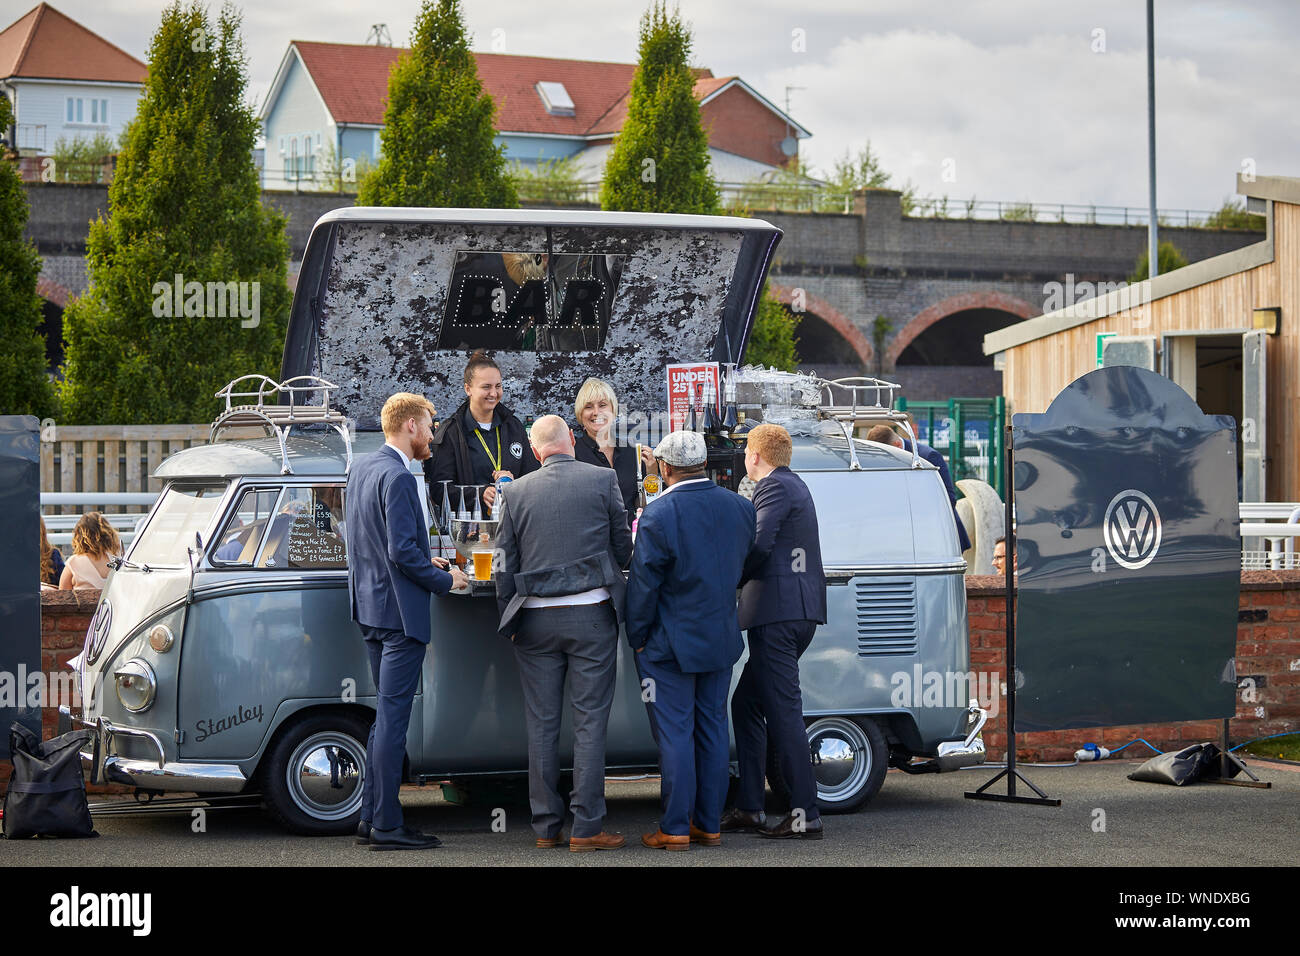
(47,791)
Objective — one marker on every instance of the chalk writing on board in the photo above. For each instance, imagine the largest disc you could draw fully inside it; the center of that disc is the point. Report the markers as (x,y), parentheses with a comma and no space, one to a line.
(310,547)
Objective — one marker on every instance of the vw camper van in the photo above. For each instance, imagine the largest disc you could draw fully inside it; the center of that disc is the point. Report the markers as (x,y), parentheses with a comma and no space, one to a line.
(221,658)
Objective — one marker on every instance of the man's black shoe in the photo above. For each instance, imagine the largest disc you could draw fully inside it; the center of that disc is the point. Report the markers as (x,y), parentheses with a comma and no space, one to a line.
(785,830)
(734,820)
(403,838)
(363,834)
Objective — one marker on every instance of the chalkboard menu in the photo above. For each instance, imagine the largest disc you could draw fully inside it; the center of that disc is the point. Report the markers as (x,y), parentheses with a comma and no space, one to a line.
(312,547)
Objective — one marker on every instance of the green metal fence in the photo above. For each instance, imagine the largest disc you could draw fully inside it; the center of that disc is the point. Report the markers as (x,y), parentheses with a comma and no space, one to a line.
(980,423)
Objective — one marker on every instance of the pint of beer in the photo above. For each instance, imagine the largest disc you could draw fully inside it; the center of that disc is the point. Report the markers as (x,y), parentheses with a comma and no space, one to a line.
(482,565)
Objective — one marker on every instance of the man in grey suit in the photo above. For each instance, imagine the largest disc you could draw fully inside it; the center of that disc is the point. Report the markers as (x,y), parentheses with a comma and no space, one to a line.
(562,541)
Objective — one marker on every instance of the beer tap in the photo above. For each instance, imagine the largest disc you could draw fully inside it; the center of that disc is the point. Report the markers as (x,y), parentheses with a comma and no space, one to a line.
(729,417)
(710,414)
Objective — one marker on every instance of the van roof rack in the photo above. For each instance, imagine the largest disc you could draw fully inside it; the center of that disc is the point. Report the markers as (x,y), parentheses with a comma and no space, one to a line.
(268,412)
(869,400)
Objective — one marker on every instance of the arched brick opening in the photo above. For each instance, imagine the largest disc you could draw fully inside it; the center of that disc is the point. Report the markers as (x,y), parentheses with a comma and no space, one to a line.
(51,291)
(833,317)
(957,303)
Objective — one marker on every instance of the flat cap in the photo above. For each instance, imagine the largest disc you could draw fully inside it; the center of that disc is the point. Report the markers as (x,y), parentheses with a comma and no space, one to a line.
(684,449)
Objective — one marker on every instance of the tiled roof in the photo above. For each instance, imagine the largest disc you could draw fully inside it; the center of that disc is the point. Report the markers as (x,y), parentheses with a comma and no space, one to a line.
(46,44)
(353,81)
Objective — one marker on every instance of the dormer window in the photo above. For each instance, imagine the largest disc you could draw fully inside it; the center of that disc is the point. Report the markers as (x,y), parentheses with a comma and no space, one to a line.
(556,99)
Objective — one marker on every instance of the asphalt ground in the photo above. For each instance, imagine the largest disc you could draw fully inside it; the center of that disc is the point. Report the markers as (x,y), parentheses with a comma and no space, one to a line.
(1105,820)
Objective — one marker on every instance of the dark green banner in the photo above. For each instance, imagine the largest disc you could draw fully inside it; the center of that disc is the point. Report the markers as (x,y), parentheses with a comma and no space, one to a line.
(1129,556)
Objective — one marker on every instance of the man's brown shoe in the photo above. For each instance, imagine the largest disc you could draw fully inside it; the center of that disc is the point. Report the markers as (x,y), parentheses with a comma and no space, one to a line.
(704,839)
(601,841)
(550,843)
(666,841)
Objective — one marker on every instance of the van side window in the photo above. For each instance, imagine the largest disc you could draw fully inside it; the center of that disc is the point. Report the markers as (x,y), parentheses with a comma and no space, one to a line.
(307,530)
(237,543)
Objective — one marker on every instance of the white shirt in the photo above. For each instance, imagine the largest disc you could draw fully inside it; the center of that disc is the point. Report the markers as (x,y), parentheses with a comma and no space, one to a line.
(688,481)
(406,461)
(594,596)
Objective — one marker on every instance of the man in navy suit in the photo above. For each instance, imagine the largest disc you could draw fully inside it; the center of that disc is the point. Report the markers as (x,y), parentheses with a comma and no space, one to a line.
(390,577)
(690,550)
(782,601)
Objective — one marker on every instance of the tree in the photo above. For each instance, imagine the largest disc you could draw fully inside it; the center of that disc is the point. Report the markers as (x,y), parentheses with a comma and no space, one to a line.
(772,341)
(24,387)
(439,137)
(660,159)
(187,275)
(549,181)
(1167,257)
(82,160)
(1232,215)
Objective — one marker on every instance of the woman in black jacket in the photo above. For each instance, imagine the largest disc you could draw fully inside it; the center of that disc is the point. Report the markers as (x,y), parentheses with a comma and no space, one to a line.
(481,441)
(596,408)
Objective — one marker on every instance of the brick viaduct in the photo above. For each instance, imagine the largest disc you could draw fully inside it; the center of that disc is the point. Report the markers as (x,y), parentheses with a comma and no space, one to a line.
(937,282)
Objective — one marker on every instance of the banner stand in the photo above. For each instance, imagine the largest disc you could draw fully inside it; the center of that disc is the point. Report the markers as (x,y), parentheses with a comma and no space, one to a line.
(1228,759)
(1010,772)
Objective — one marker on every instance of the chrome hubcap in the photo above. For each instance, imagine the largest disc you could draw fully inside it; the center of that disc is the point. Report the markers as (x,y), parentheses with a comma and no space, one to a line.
(326,773)
(841,757)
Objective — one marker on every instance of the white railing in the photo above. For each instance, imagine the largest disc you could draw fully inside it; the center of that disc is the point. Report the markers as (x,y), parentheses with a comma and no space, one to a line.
(1275,525)
(58,527)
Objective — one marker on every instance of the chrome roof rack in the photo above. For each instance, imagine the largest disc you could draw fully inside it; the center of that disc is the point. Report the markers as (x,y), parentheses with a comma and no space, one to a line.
(869,400)
(278,418)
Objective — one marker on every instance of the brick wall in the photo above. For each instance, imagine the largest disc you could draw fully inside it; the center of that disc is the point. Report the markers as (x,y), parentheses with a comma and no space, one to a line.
(65,615)
(1268,650)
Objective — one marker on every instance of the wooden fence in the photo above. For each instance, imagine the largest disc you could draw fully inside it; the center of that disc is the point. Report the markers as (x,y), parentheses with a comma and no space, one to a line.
(110,458)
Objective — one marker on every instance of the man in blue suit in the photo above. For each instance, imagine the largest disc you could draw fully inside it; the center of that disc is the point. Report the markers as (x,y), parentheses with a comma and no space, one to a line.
(782,601)
(390,577)
(690,550)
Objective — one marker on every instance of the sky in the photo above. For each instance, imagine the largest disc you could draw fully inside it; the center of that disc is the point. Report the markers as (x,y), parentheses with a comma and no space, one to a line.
(1012,100)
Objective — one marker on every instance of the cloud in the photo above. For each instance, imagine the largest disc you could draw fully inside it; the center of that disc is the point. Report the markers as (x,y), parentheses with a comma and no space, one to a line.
(1008,89)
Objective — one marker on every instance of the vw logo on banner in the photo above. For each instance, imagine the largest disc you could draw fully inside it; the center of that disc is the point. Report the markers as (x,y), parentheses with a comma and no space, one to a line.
(1132,529)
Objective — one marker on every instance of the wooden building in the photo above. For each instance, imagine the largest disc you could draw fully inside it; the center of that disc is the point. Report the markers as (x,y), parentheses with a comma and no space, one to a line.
(1227,329)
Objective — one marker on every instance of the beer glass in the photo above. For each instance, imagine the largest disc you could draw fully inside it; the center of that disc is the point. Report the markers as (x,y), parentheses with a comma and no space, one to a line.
(482,565)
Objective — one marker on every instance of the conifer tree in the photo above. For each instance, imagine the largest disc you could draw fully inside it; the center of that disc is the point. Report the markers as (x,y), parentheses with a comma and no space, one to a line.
(660,159)
(438,141)
(185,202)
(24,387)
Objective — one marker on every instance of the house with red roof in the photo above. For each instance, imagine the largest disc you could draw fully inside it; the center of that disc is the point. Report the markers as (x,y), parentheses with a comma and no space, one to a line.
(64,81)
(326,105)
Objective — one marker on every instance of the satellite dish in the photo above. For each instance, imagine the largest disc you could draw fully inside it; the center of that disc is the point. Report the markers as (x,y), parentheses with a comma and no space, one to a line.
(789,146)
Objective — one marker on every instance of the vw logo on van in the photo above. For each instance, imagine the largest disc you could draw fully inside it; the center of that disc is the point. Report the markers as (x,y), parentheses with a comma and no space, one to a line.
(1132,529)
(97,633)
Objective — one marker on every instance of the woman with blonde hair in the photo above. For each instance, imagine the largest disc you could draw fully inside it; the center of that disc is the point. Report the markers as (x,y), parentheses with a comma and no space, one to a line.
(596,408)
(94,541)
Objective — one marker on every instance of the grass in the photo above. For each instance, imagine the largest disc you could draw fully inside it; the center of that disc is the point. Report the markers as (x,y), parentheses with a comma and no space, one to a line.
(1287,748)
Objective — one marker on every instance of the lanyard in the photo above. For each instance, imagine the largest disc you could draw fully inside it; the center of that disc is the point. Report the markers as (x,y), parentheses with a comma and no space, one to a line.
(496,462)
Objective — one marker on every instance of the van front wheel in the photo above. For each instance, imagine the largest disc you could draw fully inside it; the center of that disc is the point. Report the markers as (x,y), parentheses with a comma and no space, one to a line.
(312,778)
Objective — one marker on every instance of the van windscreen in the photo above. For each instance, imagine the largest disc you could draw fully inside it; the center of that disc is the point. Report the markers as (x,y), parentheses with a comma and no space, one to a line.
(183,511)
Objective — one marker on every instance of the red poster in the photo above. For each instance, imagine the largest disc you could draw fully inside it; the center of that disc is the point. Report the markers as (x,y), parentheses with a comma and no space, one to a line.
(704,376)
